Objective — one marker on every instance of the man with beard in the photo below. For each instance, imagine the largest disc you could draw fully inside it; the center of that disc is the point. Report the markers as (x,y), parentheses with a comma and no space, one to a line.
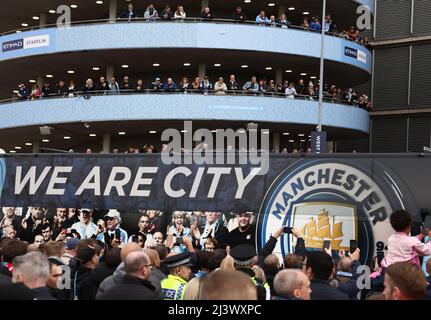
(85,227)
(244,234)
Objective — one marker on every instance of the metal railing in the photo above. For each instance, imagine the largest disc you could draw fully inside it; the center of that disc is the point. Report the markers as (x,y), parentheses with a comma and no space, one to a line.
(234,93)
(183,20)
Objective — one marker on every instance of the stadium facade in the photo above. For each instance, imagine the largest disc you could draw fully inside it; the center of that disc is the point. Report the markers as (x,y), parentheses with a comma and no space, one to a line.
(98,44)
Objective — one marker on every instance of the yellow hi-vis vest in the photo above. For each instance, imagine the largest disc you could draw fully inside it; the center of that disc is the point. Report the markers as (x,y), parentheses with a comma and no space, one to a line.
(173,288)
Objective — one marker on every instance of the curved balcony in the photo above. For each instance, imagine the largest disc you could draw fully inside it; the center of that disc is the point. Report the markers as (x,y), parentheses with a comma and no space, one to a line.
(214,35)
(151,106)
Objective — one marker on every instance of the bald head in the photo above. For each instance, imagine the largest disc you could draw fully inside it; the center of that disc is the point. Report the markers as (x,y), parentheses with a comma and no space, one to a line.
(345,264)
(292,283)
(137,264)
(228,285)
(129,247)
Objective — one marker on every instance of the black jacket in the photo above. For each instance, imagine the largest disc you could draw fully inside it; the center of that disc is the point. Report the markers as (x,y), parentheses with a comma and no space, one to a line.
(85,287)
(131,288)
(101,272)
(321,290)
(5,276)
(43,294)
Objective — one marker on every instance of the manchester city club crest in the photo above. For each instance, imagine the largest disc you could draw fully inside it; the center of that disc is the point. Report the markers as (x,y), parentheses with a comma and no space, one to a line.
(335,200)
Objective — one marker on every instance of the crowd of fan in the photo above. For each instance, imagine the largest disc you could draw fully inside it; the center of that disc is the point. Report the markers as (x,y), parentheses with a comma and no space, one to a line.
(204,86)
(313,24)
(86,254)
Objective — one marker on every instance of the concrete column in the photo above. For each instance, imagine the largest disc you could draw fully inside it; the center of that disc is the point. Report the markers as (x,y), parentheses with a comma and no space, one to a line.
(106,143)
(281,10)
(43,18)
(202,70)
(279,76)
(36,146)
(276,142)
(109,73)
(112,11)
(39,82)
(204,3)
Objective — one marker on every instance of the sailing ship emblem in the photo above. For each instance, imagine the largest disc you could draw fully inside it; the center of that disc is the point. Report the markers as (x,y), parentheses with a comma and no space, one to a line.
(316,231)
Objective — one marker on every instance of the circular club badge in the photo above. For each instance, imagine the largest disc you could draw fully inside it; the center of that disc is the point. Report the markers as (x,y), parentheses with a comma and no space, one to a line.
(333,200)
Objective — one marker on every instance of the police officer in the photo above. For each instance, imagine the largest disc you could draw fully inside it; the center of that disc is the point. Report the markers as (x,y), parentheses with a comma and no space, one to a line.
(244,256)
(174,286)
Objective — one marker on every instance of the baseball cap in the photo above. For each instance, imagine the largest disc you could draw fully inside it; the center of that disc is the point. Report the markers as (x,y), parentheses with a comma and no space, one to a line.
(113,214)
(72,243)
(85,254)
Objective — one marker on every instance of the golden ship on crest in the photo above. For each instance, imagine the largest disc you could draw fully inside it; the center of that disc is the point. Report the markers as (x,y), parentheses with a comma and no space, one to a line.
(316,231)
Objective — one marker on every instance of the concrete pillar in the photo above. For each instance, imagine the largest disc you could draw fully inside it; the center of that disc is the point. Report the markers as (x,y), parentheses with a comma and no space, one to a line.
(279,76)
(204,3)
(36,146)
(39,82)
(109,73)
(43,19)
(281,10)
(106,143)
(112,11)
(202,70)
(276,142)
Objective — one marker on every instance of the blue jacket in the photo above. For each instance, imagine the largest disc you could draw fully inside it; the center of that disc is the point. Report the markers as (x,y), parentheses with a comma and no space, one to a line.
(315,25)
(262,20)
(170,87)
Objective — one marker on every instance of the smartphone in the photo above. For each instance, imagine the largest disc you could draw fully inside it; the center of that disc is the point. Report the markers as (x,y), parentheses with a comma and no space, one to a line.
(353,245)
(179,240)
(326,244)
(287,230)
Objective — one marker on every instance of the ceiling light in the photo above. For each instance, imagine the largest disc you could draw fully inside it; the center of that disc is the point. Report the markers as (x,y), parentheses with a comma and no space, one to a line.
(153,131)
(18,31)
(247,1)
(99,2)
(217,64)
(244,66)
(96,68)
(265,132)
(313,77)
(305,13)
(49,76)
(186,64)
(302,140)
(286,133)
(74,6)
(121,133)
(301,134)
(28,144)
(291,140)
(125,66)
(66,138)
(288,71)
(35,18)
(71,71)
(291,8)
(183,131)
(156,64)
(268,68)
(12,151)
(45,140)
(92,134)
(24,24)
(32,81)
(52,11)
(271,4)
(18,148)
(303,74)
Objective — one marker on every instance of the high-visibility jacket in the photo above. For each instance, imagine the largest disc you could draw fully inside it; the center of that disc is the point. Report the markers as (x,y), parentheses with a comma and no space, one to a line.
(261,288)
(173,288)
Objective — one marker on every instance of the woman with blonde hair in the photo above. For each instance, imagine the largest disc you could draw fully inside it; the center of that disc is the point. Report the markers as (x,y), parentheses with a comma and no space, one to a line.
(227,263)
(193,289)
